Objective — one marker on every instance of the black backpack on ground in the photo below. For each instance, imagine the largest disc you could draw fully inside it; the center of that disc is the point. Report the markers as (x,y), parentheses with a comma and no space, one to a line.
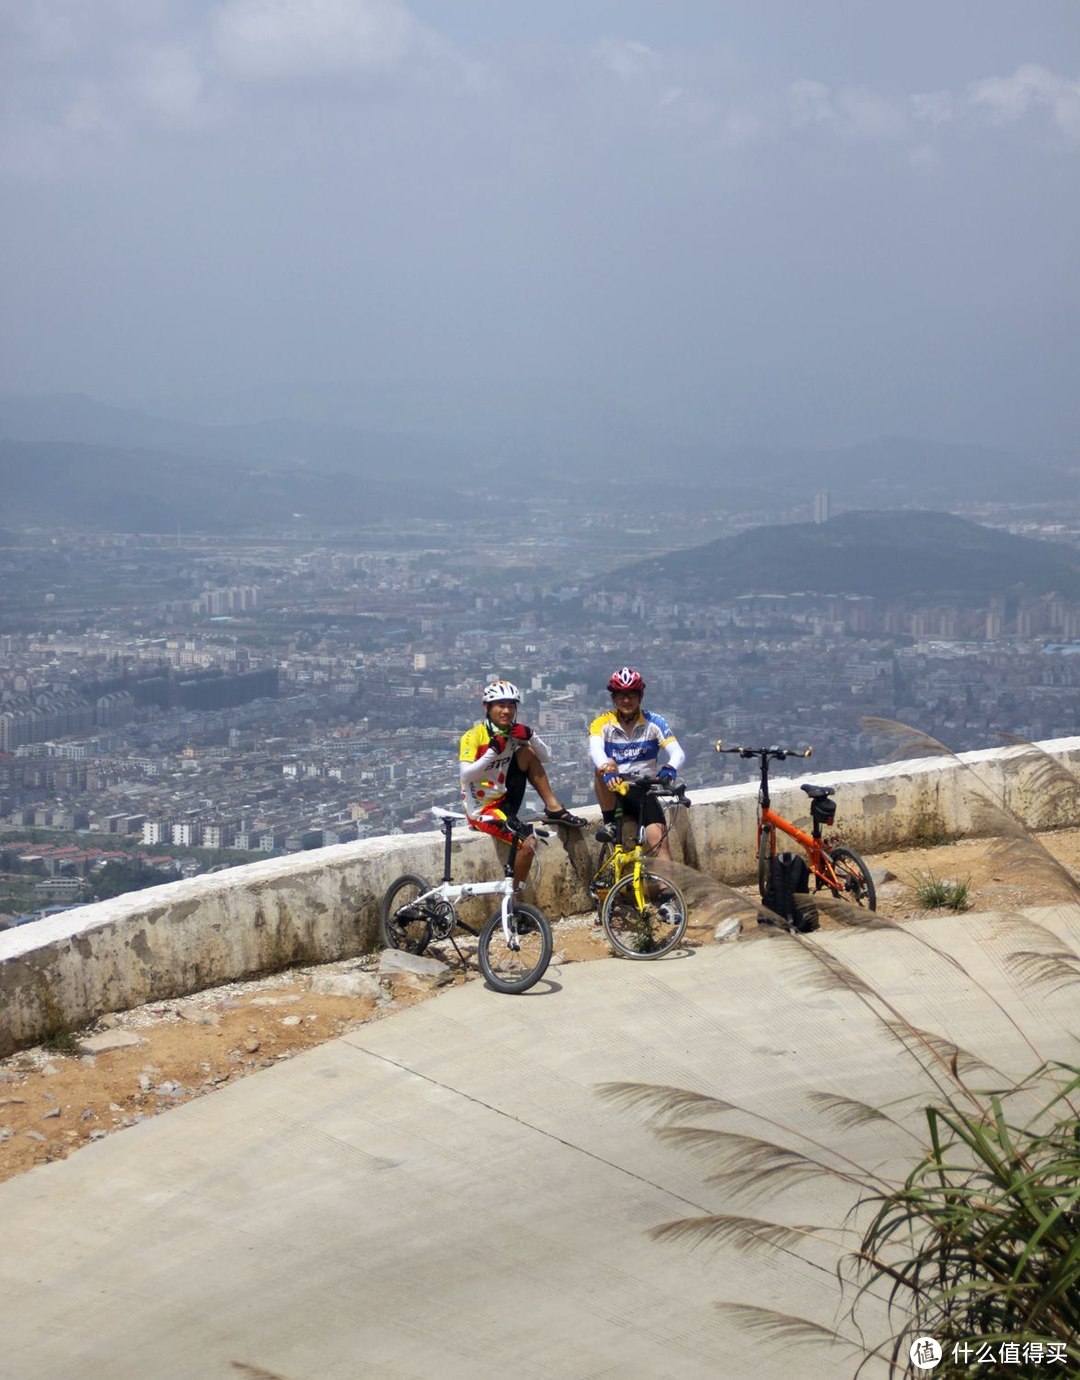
(788,892)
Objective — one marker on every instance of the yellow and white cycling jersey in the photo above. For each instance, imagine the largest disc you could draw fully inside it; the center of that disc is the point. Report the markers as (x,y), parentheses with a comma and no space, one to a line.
(484,770)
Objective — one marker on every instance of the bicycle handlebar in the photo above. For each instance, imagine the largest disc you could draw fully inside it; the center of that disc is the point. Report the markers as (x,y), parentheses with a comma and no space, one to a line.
(652,785)
(764,753)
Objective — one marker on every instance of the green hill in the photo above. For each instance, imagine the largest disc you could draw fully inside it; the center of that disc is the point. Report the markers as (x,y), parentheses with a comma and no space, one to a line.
(896,554)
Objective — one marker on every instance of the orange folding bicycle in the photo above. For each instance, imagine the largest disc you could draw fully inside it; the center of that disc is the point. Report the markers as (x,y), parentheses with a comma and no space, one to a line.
(835,867)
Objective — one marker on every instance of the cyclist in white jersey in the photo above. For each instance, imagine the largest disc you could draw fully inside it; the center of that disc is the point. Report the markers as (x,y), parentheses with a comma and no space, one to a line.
(629,742)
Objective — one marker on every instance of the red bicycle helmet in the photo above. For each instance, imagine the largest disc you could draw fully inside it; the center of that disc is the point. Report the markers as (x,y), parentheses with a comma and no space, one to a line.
(626,678)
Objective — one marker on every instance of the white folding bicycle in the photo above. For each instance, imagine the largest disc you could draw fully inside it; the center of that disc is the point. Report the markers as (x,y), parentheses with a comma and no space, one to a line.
(515,944)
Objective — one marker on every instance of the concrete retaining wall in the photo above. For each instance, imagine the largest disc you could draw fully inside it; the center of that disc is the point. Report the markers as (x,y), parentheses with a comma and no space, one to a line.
(64,972)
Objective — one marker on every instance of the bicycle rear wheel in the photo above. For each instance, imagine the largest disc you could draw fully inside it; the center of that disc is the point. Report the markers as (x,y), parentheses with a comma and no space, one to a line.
(651,929)
(402,923)
(854,877)
(514,965)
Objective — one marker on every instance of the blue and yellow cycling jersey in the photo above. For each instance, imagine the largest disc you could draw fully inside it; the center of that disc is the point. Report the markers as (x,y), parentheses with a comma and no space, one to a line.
(636,750)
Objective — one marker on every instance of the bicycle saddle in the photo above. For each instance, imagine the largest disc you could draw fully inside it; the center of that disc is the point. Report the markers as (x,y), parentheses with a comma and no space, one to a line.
(817,792)
(440,813)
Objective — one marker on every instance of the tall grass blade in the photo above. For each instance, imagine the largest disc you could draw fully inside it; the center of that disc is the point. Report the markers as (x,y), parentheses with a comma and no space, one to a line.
(745,1234)
(1054,970)
(749,1164)
(661,1101)
(784,1327)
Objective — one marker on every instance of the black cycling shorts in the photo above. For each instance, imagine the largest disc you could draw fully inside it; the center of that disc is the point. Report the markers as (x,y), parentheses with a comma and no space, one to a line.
(516,781)
(654,811)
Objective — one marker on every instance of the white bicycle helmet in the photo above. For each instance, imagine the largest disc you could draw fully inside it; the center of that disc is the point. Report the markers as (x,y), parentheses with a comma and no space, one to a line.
(501,690)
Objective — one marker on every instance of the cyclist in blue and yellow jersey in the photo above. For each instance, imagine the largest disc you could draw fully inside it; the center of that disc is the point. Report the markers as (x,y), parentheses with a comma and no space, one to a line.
(628,742)
(498,758)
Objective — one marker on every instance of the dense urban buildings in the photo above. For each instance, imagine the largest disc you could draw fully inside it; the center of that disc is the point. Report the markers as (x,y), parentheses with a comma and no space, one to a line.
(263,694)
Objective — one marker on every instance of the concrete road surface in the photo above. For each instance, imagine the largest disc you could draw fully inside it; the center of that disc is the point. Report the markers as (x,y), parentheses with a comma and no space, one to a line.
(444,1193)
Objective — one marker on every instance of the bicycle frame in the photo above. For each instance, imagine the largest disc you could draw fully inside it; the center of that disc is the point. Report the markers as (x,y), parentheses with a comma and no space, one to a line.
(624,860)
(817,854)
(834,866)
(631,859)
(769,821)
(452,892)
(513,946)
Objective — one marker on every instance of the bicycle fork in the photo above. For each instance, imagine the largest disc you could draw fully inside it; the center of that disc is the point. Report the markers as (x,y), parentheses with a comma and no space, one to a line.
(513,942)
(639,887)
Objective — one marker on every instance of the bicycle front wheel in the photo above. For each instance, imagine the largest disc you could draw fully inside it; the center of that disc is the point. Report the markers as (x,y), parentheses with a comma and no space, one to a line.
(648,930)
(402,923)
(854,878)
(515,964)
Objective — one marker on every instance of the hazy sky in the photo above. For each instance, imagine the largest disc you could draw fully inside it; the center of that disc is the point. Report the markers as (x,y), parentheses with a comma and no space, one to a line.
(751,220)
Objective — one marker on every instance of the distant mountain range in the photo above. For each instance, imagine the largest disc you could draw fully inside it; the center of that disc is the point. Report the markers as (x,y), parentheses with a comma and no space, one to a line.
(58,484)
(894,554)
(283,442)
(126,468)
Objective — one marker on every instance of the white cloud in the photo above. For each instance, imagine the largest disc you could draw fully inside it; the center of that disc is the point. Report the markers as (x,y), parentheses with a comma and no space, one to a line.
(1006,100)
(88,76)
(274,39)
(857,112)
(40,150)
(86,71)
(866,115)
(167,82)
(742,127)
(626,58)
(934,107)
(809,103)
(852,112)
(52,30)
(1030,87)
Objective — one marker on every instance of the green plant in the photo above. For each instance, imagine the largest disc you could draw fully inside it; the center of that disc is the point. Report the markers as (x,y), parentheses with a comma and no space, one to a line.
(61,1041)
(988,1222)
(935,893)
(979,1243)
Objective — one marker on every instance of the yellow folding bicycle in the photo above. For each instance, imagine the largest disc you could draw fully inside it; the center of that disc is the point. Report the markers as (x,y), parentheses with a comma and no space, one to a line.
(643,913)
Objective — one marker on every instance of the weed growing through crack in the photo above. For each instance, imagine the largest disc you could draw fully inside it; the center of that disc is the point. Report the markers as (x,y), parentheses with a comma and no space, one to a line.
(936,893)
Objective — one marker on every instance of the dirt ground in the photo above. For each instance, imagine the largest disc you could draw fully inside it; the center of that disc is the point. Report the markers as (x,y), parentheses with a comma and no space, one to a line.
(54,1100)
